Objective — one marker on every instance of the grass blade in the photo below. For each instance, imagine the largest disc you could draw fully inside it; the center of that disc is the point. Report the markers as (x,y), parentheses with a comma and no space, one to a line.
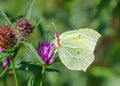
(5,17)
(29,9)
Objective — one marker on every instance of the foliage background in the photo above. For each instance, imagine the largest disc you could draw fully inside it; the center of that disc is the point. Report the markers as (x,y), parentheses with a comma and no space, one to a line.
(101,15)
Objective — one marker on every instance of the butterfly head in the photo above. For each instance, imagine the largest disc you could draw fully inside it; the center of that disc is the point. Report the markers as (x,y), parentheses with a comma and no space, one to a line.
(57,40)
(56,35)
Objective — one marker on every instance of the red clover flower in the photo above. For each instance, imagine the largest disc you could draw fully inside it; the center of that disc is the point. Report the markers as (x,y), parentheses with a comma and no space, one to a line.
(7,36)
(45,51)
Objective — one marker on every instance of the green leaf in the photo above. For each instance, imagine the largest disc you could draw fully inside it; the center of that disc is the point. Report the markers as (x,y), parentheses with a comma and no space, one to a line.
(30,82)
(29,10)
(2,55)
(14,19)
(4,16)
(57,59)
(30,66)
(2,72)
(9,50)
(2,20)
(33,51)
(6,52)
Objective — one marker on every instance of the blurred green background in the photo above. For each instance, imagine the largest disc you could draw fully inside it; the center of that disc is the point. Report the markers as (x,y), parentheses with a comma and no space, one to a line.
(101,15)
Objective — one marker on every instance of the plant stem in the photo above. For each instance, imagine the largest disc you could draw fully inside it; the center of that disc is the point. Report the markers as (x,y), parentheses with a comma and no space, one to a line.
(4,71)
(42,75)
(13,65)
(14,72)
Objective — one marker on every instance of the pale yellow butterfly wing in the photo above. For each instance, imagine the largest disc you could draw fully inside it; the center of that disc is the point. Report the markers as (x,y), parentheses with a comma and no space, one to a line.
(77,46)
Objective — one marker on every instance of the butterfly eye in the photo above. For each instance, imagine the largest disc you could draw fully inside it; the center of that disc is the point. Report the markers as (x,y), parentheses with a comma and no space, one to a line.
(56,35)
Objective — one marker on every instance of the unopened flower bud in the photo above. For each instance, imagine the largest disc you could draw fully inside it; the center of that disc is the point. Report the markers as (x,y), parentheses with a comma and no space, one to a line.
(5,62)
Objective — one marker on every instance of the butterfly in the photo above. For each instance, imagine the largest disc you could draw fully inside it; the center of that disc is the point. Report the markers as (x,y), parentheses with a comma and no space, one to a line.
(76,47)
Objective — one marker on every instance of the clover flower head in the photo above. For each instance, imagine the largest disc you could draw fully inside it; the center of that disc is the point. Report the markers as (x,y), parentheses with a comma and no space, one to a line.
(7,36)
(45,51)
(23,28)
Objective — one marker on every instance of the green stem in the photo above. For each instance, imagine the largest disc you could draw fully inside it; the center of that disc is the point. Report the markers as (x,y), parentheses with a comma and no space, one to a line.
(14,72)
(42,75)
(4,71)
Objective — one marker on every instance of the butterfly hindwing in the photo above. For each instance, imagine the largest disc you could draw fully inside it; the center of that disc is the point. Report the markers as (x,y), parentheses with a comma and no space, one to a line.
(75,59)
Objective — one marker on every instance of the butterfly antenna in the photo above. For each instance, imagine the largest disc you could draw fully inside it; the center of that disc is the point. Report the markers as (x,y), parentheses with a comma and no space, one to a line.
(49,36)
(53,24)
(53,27)
(37,24)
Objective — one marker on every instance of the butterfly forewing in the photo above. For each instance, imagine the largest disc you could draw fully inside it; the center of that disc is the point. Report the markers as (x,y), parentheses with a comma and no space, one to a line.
(82,38)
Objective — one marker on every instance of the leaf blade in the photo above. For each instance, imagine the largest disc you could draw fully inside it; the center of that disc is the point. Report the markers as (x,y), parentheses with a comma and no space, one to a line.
(30,82)
(32,50)
(29,9)
(30,66)
(6,18)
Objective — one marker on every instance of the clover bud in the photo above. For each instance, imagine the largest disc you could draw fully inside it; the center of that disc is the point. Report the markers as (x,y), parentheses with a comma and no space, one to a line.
(5,62)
